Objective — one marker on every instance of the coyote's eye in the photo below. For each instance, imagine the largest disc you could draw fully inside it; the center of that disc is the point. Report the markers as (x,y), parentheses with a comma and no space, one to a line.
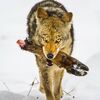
(45,40)
(58,40)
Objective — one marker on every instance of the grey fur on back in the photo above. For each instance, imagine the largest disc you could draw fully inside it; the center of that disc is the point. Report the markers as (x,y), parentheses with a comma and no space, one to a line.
(52,7)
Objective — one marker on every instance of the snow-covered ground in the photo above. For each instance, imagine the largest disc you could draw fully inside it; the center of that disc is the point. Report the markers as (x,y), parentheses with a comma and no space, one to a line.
(18,68)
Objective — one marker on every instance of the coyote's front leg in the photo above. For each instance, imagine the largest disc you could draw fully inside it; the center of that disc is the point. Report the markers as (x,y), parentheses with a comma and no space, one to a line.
(47,84)
(58,75)
(46,79)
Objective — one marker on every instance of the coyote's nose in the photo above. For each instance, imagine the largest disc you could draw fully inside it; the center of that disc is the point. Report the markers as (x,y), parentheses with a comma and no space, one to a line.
(50,55)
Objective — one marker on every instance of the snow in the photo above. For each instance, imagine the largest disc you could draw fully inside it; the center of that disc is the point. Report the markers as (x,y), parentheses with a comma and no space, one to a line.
(4,95)
(18,68)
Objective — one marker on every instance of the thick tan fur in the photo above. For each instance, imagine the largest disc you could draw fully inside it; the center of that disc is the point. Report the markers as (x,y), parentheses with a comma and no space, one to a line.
(50,26)
(54,34)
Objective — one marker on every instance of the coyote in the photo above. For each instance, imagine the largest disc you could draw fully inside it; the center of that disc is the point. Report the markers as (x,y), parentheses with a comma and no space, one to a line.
(50,26)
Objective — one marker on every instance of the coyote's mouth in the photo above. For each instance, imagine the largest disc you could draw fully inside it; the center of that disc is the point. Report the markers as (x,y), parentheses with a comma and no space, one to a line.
(49,62)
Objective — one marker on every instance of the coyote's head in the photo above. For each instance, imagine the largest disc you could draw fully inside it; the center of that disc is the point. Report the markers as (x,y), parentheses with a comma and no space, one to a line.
(52,32)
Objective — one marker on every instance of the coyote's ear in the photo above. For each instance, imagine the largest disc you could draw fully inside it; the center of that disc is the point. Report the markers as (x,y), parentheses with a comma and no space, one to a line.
(67,17)
(41,13)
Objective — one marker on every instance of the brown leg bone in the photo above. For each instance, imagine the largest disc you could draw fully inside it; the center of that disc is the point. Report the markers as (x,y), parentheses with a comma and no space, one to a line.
(62,60)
